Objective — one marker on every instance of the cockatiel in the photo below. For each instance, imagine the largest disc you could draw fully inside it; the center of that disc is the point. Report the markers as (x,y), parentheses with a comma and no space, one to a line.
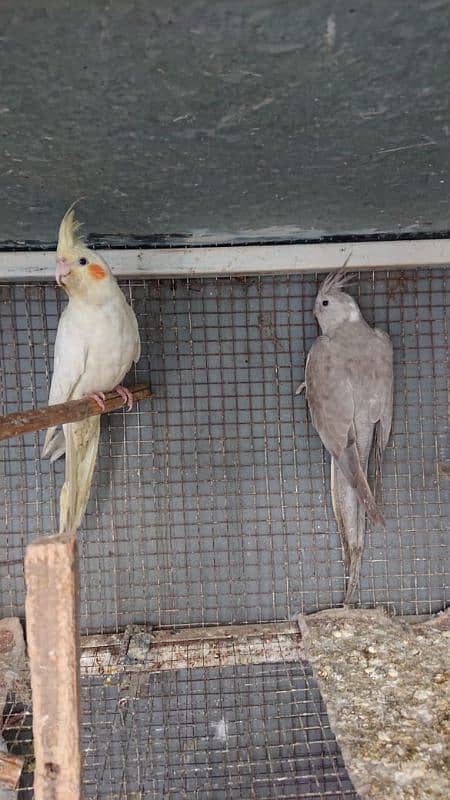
(349,388)
(96,343)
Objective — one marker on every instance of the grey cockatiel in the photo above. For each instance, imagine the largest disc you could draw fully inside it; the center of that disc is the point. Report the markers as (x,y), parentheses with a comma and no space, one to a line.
(96,343)
(349,385)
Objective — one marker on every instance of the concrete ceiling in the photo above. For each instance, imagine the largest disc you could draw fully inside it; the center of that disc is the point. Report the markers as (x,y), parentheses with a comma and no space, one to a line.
(198,121)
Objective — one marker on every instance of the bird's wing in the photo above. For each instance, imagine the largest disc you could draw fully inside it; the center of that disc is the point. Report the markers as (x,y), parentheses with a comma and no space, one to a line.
(137,351)
(385,385)
(330,397)
(382,403)
(331,402)
(130,328)
(69,360)
(68,368)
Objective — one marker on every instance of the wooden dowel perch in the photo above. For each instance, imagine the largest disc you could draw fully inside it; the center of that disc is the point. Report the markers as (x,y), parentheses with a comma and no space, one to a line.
(40,418)
(51,575)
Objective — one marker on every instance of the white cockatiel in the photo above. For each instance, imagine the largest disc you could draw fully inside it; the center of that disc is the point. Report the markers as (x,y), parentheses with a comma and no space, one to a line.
(349,388)
(96,344)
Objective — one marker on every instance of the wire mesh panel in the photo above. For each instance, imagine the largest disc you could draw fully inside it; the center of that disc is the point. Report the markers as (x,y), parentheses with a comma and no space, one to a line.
(16,727)
(220,733)
(212,504)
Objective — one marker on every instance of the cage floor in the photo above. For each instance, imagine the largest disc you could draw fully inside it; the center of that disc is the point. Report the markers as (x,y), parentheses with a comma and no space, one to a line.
(256,731)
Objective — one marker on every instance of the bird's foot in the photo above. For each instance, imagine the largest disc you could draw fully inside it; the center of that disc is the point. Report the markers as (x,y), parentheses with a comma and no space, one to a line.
(300,388)
(99,398)
(125,395)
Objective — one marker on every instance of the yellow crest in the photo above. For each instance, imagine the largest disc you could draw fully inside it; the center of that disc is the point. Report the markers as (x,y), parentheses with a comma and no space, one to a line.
(67,235)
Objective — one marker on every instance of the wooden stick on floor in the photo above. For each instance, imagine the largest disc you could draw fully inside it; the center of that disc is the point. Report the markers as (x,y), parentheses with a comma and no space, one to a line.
(51,574)
(10,769)
(40,418)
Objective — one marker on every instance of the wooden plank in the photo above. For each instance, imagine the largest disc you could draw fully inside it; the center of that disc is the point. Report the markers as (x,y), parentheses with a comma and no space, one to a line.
(179,262)
(141,649)
(51,574)
(10,769)
(168,635)
(74,410)
(114,641)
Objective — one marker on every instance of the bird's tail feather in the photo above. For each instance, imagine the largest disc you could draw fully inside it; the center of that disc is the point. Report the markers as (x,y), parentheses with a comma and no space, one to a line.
(350,465)
(354,568)
(54,444)
(336,499)
(378,452)
(81,454)
(351,520)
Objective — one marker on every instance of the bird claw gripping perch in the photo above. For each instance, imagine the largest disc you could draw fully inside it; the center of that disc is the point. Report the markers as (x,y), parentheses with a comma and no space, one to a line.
(99,398)
(126,395)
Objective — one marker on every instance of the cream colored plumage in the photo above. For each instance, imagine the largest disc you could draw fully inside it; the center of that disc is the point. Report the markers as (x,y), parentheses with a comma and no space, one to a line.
(96,343)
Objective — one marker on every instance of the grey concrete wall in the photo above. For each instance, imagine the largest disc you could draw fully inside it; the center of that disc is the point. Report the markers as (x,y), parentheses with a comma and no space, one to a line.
(184,121)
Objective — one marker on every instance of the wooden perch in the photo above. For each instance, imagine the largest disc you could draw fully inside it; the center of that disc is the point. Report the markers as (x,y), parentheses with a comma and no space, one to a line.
(52,619)
(74,410)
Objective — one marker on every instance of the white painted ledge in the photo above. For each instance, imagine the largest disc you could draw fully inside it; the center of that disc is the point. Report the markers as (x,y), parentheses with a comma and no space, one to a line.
(242,260)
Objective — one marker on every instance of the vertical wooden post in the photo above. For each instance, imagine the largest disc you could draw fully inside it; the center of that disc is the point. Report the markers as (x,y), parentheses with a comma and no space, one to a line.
(51,574)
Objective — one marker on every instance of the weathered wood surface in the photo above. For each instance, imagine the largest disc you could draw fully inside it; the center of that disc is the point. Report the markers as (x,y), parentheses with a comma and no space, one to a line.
(140,649)
(10,769)
(51,574)
(74,410)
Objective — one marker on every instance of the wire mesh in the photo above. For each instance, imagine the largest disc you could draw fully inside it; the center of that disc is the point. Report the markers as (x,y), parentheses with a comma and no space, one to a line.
(211,505)
(257,731)
(16,728)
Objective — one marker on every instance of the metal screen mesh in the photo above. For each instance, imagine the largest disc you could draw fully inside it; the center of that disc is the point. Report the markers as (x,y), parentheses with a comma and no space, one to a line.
(221,733)
(211,503)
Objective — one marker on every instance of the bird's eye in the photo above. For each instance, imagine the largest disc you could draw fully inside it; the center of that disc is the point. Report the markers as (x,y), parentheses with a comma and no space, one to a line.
(82,261)
(325,302)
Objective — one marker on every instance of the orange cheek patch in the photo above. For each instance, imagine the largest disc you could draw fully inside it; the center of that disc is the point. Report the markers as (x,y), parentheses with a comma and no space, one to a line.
(97,272)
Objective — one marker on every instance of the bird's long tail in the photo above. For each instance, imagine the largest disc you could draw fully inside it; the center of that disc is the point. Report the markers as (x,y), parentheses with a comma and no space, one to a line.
(350,465)
(351,520)
(352,499)
(81,454)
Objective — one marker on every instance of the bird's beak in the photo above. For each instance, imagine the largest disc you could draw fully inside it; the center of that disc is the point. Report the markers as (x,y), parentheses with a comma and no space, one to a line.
(62,270)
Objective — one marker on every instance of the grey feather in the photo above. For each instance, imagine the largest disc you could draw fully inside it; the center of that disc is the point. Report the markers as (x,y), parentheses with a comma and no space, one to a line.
(349,388)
